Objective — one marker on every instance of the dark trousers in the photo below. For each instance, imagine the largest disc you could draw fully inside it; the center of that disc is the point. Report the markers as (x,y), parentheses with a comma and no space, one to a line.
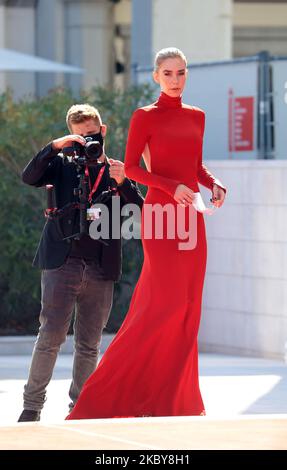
(77,283)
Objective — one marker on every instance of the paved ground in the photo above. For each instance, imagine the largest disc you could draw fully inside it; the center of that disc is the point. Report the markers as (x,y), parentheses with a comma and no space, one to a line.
(256,432)
(231,386)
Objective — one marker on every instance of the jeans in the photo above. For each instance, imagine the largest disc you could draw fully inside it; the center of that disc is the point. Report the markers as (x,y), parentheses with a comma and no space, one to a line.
(77,283)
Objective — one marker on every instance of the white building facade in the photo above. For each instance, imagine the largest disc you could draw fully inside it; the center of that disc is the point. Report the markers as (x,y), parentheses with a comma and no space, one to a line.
(107,37)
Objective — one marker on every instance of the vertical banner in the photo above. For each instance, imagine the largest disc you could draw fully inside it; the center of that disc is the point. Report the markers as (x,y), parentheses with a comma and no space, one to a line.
(240,123)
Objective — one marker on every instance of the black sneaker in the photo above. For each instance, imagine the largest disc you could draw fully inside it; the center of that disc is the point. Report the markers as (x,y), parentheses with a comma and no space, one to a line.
(29,415)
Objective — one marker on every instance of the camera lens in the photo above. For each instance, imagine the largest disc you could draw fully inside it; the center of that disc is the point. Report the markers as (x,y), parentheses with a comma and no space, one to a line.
(93,150)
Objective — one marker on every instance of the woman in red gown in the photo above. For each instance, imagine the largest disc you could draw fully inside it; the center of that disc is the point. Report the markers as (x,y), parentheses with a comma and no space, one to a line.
(151,367)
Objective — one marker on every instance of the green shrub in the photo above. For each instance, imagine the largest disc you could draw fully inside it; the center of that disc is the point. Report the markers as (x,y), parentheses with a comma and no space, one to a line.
(25,127)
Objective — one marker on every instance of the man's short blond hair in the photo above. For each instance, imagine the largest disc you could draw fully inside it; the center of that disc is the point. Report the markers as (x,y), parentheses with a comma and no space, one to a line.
(80,113)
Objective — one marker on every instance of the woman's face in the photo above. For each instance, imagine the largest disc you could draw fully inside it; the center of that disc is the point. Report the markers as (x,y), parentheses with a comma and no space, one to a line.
(171,76)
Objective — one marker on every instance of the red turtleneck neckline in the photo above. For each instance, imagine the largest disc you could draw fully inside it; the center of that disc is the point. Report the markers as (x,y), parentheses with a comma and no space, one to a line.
(169,101)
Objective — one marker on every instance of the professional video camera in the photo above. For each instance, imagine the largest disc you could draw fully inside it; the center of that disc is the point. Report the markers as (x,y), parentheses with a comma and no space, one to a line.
(87,154)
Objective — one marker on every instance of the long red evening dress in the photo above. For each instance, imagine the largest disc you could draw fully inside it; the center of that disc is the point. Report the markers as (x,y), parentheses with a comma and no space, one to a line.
(151,367)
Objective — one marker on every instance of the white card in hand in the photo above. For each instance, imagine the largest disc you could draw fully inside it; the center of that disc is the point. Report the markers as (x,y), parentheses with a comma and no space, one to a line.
(199,205)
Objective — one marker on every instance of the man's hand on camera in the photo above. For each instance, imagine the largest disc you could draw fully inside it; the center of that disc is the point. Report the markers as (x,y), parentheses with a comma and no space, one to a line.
(67,141)
(117,170)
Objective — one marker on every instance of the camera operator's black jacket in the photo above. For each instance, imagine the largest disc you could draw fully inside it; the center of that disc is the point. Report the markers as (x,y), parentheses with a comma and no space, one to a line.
(47,167)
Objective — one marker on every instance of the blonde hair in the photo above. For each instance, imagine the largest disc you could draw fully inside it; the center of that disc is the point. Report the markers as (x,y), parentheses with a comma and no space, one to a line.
(80,113)
(168,53)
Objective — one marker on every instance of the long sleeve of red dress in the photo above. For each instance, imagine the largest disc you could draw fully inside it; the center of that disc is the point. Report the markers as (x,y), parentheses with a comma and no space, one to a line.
(139,133)
(203,174)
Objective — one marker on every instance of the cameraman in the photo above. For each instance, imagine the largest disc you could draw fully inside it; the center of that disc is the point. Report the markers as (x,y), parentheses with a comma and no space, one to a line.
(75,272)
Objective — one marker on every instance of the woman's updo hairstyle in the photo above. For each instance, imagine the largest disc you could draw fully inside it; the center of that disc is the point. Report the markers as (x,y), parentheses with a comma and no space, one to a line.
(168,53)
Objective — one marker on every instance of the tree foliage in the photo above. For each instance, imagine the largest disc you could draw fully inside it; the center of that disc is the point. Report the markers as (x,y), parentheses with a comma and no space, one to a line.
(25,127)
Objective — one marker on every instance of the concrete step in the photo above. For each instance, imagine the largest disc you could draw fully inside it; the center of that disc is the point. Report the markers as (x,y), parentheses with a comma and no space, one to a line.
(23,345)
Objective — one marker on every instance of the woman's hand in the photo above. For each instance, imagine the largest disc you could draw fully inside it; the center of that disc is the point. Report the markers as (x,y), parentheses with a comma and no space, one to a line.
(218,195)
(183,195)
